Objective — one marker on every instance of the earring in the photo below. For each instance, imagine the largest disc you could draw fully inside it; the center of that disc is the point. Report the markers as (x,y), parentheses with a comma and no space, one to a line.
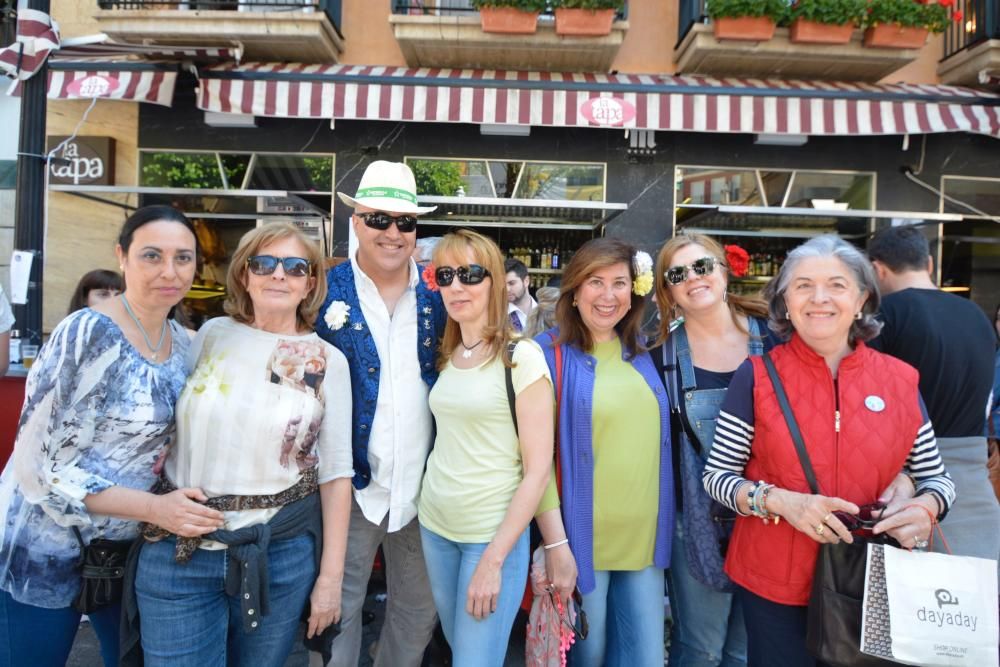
(786,315)
(858,315)
(725,296)
(574,303)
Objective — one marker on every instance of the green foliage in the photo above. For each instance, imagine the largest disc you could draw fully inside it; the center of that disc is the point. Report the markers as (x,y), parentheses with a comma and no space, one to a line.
(907,13)
(183,170)
(523,5)
(437,177)
(831,12)
(773,9)
(588,4)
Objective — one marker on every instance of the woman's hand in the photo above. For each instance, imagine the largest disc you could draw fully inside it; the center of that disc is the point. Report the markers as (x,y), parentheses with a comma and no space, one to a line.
(560,569)
(484,587)
(178,512)
(324,605)
(911,525)
(897,495)
(812,514)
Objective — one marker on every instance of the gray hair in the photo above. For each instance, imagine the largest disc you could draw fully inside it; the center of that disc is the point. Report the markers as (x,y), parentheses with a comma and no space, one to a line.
(828,245)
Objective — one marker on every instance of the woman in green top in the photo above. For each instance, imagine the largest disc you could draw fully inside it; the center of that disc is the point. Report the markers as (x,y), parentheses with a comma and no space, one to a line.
(484,479)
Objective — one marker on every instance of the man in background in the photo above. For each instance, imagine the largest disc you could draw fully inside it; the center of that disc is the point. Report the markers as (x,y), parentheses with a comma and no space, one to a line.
(519,301)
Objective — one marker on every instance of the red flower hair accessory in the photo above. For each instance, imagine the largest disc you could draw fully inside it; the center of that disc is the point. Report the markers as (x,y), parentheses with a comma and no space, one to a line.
(430,278)
(737,259)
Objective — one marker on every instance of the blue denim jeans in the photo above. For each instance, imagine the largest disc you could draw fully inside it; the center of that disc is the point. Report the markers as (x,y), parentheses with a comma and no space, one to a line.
(625,613)
(776,633)
(708,625)
(188,620)
(43,637)
(450,566)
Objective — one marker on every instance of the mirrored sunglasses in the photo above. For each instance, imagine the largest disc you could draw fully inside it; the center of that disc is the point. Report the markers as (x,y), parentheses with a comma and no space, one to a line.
(265,265)
(675,275)
(473,274)
(381,221)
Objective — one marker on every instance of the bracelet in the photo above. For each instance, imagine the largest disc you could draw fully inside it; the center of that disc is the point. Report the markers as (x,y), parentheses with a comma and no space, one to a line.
(561,542)
(929,513)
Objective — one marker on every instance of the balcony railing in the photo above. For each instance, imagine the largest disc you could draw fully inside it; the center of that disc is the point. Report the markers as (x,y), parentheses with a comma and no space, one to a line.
(980,22)
(459,8)
(332,8)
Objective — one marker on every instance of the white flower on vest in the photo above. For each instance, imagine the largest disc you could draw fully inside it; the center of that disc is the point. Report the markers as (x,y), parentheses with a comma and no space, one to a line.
(336,315)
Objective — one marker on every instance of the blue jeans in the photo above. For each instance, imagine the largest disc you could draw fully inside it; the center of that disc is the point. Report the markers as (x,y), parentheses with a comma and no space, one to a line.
(43,637)
(625,613)
(776,633)
(188,620)
(708,625)
(450,566)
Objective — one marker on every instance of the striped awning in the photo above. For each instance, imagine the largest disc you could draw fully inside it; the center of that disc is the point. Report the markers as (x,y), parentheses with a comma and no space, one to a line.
(127,81)
(670,103)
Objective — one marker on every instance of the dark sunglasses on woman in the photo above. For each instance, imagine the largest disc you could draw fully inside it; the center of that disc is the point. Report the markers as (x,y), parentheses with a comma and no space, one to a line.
(265,265)
(675,275)
(473,274)
(381,221)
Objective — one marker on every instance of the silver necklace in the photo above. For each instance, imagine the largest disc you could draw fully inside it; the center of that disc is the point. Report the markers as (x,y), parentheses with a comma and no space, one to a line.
(467,353)
(163,330)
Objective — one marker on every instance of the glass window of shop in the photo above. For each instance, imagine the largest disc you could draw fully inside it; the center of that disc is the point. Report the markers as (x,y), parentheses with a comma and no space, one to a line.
(745,186)
(509,179)
(970,249)
(236,171)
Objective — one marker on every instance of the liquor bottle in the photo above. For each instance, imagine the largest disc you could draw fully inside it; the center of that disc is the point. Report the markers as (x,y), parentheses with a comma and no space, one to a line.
(555,256)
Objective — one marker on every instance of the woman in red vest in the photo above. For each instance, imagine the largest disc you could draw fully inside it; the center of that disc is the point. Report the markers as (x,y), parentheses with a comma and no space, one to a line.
(863,423)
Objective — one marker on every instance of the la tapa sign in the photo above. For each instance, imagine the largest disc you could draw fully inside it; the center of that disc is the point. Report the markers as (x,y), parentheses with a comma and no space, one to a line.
(82,161)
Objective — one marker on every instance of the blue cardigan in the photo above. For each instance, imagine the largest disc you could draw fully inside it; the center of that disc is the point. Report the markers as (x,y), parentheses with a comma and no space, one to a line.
(357,344)
(576,453)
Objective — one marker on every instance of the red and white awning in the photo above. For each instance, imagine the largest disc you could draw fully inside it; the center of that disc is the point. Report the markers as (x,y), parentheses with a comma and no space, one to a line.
(37,37)
(142,84)
(670,103)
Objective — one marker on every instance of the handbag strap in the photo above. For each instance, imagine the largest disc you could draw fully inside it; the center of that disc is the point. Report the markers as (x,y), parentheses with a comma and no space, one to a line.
(557,351)
(509,380)
(793,426)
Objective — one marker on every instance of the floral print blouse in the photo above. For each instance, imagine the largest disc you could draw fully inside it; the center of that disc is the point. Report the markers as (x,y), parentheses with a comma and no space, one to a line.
(97,414)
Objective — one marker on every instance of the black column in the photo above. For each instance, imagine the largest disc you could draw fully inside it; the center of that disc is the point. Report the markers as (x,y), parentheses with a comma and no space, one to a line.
(29,221)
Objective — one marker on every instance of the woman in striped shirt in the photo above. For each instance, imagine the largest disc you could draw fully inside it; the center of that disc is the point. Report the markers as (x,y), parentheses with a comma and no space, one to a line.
(862,420)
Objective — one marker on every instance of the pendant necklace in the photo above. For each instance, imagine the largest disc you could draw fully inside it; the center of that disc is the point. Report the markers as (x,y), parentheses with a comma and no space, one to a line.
(467,353)
(163,330)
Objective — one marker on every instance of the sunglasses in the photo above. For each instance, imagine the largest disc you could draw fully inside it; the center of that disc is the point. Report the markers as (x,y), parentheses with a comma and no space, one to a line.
(865,519)
(580,626)
(675,275)
(381,221)
(265,265)
(473,274)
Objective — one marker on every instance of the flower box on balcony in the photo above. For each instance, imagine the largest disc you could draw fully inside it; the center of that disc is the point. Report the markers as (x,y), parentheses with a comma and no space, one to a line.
(746,28)
(584,22)
(508,20)
(804,31)
(895,36)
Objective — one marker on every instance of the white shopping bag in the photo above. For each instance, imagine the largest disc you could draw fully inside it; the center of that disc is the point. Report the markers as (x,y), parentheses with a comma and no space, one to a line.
(930,609)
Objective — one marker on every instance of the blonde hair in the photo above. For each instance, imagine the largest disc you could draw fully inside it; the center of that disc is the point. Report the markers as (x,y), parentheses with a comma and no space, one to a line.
(748,306)
(485,252)
(238,304)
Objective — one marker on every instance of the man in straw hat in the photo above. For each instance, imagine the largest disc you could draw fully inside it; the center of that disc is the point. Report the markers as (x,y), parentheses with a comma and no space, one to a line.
(385,320)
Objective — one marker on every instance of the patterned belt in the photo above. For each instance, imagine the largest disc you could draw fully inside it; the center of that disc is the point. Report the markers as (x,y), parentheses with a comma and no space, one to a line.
(186,546)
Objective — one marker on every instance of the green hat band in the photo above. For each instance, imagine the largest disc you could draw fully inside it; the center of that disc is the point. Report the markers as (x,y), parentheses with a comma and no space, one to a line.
(390,193)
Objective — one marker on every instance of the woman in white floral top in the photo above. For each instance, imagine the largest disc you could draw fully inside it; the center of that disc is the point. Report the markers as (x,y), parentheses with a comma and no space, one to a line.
(98,414)
(266,413)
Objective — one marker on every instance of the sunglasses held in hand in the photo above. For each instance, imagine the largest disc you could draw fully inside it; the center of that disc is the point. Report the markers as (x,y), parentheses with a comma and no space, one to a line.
(473,274)
(580,626)
(865,519)
(265,265)
(675,275)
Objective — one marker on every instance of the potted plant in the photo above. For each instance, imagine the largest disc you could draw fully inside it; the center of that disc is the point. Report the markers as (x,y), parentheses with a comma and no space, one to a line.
(509,16)
(825,21)
(751,20)
(591,18)
(904,24)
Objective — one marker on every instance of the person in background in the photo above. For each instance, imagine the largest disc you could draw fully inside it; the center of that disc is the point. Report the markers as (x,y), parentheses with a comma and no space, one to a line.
(95,286)
(616,487)
(263,427)
(98,416)
(486,473)
(520,304)
(6,323)
(863,422)
(543,317)
(705,333)
(956,377)
(381,315)
(423,250)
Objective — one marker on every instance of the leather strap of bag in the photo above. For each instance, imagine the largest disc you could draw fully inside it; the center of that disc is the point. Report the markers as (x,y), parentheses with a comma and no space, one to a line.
(793,426)
(509,380)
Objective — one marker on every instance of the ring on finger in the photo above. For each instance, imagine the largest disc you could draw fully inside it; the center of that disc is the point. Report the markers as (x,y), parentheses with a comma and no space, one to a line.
(827,517)
(819,529)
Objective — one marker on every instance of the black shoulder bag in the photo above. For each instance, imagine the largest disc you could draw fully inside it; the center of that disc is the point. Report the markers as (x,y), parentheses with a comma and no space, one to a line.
(833,625)
(102,572)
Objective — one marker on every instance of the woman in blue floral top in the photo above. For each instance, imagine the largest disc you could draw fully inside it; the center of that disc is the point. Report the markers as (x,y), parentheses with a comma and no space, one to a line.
(94,430)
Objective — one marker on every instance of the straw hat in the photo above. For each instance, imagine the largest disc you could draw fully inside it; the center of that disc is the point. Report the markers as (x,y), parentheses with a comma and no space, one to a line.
(387,186)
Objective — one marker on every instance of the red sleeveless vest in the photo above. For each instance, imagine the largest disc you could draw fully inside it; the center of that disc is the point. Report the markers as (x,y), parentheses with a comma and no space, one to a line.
(855,463)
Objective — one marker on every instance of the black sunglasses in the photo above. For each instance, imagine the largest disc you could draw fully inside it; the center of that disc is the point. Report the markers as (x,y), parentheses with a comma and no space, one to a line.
(265,265)
(580,626)
(675,275)
(381,221)
(473,274)
(866,518)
